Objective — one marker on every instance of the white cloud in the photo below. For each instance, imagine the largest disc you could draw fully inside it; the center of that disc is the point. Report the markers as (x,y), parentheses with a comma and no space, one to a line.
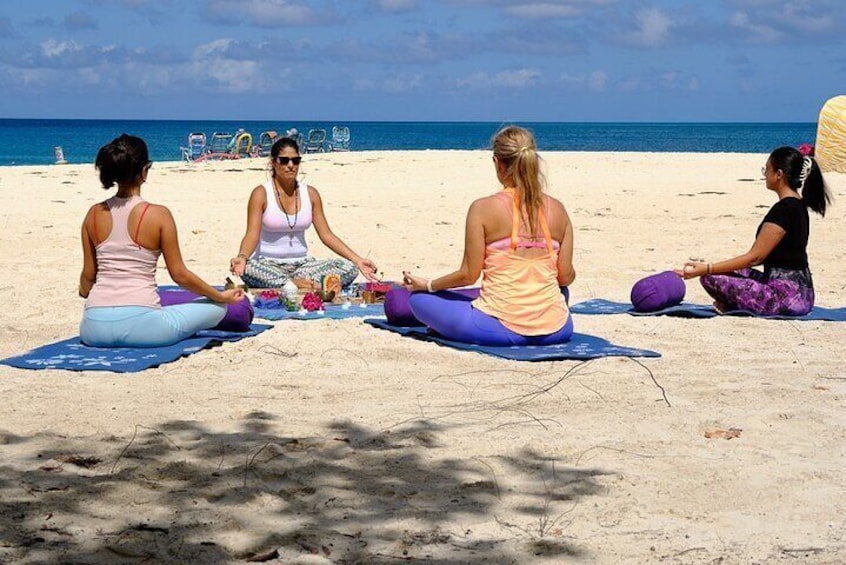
(53,48)
(652,28)
(596,81)
(212,47)
(542,10)
(403,84)
(397,6)
(518,78)
(265,13)
(758,32)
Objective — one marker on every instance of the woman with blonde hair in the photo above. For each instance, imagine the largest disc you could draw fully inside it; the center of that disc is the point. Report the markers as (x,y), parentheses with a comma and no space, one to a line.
(521,241)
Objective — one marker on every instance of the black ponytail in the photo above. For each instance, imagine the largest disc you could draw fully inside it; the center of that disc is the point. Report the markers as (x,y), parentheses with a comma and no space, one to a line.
(791,162)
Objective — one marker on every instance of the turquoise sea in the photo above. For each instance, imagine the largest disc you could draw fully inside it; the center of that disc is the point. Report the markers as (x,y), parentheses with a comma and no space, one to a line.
(31,142)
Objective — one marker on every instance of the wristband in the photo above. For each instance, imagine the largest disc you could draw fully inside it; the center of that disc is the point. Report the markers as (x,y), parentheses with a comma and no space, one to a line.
(429,285)
(241,256)
(708,268)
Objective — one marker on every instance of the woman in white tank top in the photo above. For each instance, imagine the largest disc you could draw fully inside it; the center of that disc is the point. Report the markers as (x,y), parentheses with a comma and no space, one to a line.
(274,248)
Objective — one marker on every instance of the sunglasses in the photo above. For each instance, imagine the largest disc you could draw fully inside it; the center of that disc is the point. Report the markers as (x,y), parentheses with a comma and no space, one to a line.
(285,160)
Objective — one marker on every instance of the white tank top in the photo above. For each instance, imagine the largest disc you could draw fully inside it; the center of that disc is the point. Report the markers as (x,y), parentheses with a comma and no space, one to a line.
(283,236)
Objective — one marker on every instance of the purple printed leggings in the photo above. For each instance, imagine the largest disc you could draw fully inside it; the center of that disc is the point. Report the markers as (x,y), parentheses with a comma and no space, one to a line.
(785,292)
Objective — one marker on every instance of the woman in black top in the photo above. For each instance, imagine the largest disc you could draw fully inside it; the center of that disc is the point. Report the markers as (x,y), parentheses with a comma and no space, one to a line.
(785,286)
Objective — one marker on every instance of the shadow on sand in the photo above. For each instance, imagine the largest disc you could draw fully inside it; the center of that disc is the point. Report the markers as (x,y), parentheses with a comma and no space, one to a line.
(182,493)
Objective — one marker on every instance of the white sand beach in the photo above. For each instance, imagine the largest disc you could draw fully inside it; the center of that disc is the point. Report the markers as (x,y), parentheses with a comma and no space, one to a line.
(334,442)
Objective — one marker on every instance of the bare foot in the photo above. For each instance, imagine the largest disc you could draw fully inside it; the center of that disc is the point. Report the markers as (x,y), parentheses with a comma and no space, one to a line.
(720,307)
(307,285)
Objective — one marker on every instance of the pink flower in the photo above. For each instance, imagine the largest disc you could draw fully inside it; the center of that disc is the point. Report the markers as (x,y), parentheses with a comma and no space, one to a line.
(806,149)
(312,302)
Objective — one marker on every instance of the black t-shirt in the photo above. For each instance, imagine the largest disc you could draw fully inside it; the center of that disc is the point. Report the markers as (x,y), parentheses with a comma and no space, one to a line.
(791,215)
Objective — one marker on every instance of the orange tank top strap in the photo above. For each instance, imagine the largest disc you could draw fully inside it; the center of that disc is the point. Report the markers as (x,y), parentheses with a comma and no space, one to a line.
(141,219)
(515,223)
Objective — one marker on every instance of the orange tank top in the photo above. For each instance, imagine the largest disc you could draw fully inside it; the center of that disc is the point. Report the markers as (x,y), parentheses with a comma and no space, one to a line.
(523,292)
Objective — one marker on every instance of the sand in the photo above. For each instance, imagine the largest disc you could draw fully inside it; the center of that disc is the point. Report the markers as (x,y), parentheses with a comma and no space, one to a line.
(333,442)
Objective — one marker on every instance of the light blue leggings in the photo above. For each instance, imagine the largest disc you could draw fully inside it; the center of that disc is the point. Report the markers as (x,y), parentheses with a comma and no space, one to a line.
(141,326)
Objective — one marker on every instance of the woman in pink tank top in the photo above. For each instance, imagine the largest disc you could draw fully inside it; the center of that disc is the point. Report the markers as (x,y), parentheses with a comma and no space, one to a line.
(521,242)
(122,239)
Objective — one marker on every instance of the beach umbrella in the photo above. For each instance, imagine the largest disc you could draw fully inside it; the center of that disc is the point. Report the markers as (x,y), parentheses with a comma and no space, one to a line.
(830,151)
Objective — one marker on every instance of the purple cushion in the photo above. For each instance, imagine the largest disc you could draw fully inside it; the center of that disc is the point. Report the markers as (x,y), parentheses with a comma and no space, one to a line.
(238,316)
(658,291)
(397,308)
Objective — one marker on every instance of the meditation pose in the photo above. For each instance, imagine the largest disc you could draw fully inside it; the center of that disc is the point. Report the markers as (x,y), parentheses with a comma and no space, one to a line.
(122,239)
(274,249)
(521,241)
(785,286)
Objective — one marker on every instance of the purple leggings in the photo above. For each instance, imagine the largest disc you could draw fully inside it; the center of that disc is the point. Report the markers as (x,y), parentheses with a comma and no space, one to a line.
(785,292)
(451,314)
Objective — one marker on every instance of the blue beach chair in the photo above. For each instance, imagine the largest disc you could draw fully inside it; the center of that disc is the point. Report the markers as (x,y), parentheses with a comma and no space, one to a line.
(340,139)
(315,140)
(196,146)
(219,147)
(265,144)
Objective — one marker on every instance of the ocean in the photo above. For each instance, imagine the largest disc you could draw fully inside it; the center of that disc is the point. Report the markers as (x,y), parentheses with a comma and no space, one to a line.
(32,142)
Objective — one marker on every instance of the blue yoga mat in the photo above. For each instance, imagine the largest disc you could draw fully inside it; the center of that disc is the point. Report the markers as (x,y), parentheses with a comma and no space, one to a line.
(332,312)
(72,355)
(582,346)
(688,310)
(602,306)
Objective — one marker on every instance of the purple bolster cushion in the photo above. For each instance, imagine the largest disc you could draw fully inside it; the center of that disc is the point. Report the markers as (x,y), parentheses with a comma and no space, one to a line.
(398,309)
(657,292)
(238,316)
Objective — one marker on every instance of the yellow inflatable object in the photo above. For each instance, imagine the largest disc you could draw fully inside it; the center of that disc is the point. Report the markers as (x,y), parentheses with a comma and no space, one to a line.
(243,144)
(830,150)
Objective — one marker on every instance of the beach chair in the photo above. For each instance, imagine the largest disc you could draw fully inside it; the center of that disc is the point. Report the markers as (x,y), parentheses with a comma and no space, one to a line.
(219,147)
(315,140)
(340,139)
(265,143)
(196,146)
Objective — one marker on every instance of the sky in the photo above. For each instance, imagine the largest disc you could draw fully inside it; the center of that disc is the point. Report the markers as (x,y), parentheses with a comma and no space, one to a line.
(422,60)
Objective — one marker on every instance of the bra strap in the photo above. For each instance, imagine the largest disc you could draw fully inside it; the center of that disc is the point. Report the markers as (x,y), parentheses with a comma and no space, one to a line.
(141,219)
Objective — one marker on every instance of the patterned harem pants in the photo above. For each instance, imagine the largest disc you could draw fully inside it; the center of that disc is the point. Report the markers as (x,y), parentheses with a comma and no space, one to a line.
(786,292)
(266,273)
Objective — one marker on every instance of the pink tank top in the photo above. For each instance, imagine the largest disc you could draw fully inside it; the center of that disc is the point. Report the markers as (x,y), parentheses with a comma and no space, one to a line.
(126,272)
(523,292)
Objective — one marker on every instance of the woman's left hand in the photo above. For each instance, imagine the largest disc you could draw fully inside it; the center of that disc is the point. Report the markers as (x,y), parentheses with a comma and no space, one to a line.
(410,282)
(367,268)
